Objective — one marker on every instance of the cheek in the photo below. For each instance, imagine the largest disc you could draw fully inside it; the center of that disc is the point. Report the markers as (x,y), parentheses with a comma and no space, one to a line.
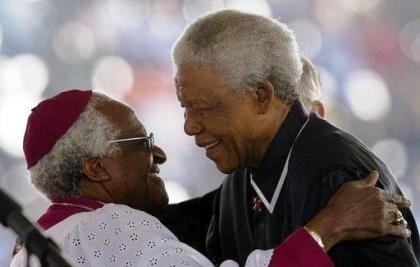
(239,145)
(238,134)
(138,170)
(142,162)
(141,176)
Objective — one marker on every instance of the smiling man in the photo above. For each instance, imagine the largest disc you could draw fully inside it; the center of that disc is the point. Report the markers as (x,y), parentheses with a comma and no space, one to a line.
(237,77)
(92,157)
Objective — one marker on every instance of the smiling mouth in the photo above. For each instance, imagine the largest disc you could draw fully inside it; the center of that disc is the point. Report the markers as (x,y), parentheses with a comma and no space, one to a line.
(153,177)
(154,172)
(210,146)
(155,169)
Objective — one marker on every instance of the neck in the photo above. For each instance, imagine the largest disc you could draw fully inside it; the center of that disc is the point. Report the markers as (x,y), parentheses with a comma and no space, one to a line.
(269,128)
(77,202)
(96,191)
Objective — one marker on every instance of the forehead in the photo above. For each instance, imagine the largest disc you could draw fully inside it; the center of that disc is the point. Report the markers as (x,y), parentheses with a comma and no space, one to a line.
(134,125)
(199,84)
(124,117)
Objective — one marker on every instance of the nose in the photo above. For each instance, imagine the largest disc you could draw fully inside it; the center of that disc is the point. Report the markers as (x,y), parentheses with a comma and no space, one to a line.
(159,155)
(191,125)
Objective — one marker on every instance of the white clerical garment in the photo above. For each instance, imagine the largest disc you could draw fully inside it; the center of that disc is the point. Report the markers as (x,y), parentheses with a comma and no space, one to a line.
(117,235)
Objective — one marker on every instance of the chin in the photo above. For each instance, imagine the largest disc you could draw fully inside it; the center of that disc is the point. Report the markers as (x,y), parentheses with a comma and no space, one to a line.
(159,202)
(164,198)
(164,201)
(226,168)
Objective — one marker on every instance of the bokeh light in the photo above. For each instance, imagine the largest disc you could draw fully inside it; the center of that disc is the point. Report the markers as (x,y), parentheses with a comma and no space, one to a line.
(105,31)
(128,13)
(415,49)
(164,20)
(15,108)
(24,73)
(16,184)
(74,42)
(329,86)
(193,9)
(113,75)
(176,192)
(367,95)
(331,14)
(308,36)
(23,78)
(417,175)
(359,6)
(1,36)
(167,129)
(172,120)
(260,7)
(338,114)
(393,152)
(409,39)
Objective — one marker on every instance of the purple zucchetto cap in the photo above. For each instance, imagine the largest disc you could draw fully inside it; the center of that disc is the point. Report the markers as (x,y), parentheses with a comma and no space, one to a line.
(50,120)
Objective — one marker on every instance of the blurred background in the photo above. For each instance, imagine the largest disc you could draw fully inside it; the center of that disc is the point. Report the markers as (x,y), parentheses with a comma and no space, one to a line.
(368,53)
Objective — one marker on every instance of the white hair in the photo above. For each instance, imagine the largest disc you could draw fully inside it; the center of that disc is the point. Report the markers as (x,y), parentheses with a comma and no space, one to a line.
(310,88)
(58,174)
(245,49)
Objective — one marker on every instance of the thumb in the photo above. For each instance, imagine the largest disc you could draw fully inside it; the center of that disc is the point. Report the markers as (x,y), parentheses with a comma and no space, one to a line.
(370,180)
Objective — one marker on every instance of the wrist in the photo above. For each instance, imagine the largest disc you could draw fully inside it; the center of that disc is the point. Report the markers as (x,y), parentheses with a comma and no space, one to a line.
(316,237)
(324,225)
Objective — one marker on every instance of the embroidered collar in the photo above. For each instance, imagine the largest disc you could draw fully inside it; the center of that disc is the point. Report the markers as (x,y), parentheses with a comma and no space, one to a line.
(62,208)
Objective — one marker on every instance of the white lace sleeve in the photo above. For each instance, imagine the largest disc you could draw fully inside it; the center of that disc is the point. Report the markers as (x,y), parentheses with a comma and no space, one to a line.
(257,258)
(117,235)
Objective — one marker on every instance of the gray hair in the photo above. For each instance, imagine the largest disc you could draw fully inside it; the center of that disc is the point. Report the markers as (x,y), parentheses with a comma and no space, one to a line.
(58,174)
(245,49)
(310,88)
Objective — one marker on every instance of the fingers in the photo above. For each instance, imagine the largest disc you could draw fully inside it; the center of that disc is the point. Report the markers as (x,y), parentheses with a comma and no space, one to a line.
(395,222)
(371,179)
(370,216)
(395,217)
(399,230)
(374,212)
(396,199)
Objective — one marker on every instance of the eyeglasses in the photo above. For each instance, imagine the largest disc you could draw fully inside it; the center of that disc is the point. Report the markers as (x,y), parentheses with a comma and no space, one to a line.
(148,144)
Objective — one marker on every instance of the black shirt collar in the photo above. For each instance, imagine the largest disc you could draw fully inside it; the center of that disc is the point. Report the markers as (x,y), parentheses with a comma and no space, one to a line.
(267,175)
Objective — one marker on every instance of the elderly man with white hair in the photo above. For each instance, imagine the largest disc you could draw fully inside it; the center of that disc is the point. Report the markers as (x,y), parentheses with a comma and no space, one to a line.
(93,159)
(237,77)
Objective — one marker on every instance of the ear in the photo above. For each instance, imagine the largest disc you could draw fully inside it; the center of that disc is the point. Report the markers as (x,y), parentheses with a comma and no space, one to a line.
(95,170)
(318,108)
(264,96)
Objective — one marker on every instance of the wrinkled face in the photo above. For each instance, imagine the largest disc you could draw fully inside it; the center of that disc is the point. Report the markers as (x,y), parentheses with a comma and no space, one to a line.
(134,172)
(221,121)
